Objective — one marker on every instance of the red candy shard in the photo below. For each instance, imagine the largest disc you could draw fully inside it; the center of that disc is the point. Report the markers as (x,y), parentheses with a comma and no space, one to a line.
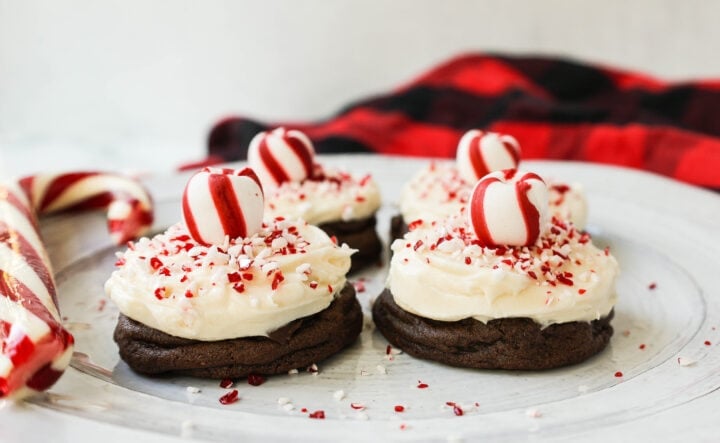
(155,263)
(256,380)
(564,280)
(160,293)
(414,224)
(317,415)
(359,286)
(230,398)
(277,279)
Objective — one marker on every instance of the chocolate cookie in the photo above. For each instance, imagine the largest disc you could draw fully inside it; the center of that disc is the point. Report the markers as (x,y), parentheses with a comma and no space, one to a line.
(398,227)
(507,343)
(360,235)
(297,345)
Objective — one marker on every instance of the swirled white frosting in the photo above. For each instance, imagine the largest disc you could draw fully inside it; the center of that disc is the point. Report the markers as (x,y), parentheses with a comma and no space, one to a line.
(438,272)
(439,191)
(333,195)
(245,287)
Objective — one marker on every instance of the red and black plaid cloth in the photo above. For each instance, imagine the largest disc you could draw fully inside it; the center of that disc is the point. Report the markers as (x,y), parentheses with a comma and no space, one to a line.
(557,109)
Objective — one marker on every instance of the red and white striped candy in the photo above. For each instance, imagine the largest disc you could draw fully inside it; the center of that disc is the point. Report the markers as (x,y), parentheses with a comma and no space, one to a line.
(223,202)
(480,153)
(129,206)
(35,349)
(280,156)
(509,208)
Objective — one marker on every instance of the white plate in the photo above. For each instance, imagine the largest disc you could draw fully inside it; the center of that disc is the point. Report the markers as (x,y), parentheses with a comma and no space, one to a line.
(662,232)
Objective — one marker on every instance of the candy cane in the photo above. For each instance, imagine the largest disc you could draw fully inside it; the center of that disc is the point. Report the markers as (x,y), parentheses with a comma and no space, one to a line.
(35,346)
(35,349)
(129,207)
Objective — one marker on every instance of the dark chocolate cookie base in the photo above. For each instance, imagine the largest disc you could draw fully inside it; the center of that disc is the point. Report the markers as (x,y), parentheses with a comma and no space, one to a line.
(509,343)
(360,235)
(398,228)
(297,345)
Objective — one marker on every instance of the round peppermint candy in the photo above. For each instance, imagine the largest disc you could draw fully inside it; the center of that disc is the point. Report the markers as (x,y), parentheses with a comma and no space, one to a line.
(223,202)
(281,155)
(480,153)
(509,208)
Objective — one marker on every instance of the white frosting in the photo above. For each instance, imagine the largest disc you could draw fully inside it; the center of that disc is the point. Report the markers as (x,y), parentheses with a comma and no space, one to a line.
(434,193)
(567,202)
(231,285)
(336,196)
(438,272)
(439,191)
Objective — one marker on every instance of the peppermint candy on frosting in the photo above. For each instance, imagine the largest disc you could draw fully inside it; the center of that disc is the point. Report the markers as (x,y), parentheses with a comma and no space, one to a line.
(280,156)
(509,208)
(223,202)
(480,153)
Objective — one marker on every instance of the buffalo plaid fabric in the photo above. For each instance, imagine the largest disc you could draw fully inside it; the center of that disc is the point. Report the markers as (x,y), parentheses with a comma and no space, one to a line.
(557,109)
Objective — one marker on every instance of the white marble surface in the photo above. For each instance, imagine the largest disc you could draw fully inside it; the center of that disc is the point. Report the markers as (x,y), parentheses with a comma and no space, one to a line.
(135,85)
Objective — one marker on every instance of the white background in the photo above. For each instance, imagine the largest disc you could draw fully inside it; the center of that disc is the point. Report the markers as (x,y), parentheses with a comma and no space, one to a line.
(135,85)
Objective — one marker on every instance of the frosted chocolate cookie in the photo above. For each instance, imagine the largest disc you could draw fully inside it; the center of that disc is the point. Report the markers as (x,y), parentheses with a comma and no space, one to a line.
(297,344)
(225,294)
(500,284)
(502,343)
(296,186)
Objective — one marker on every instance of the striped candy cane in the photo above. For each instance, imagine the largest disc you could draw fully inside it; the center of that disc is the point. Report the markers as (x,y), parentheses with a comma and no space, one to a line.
(129,207)
(35,348)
